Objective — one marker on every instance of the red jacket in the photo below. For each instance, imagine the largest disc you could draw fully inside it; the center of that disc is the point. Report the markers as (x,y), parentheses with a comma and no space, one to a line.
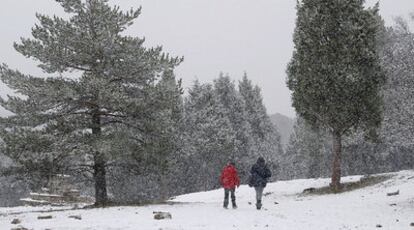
(229,178)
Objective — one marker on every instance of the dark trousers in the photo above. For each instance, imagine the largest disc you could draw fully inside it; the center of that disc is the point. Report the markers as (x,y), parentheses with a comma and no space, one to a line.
(226,197)
(259,194)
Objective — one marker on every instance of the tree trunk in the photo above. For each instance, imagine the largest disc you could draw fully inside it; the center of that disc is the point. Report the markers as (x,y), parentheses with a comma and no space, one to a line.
(163,186)
(336,166)
(101,197)
(99,167)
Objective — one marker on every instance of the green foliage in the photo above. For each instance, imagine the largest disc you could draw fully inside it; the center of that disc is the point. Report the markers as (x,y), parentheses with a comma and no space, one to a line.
(398,62)
(335,74)
(266,138)
(220,125)
(111,99)
(307,154)
(392,150)
(208,134)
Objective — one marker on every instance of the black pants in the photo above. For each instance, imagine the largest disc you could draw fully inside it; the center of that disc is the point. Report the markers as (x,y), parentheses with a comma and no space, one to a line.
(259,194)
(226,197)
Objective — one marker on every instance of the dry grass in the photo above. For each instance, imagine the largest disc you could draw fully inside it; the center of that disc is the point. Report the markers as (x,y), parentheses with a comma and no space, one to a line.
(365,181)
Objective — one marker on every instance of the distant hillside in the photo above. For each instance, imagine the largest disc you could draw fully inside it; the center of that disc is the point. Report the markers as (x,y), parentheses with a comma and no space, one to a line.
(284,126)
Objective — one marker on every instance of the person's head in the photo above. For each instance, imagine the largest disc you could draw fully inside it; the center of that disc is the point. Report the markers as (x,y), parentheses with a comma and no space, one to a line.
(260,160)
(230,161)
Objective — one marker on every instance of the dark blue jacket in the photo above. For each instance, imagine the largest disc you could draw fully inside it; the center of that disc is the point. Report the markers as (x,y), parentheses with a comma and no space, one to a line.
(259,174)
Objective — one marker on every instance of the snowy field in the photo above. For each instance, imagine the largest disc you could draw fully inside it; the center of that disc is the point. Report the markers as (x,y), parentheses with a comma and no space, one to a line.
(368,208)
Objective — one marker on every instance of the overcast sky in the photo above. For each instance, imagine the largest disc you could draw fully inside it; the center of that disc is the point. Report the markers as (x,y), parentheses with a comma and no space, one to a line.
(230,36)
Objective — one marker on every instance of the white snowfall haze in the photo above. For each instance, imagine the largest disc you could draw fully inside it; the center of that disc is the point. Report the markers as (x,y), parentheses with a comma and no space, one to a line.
(284,208)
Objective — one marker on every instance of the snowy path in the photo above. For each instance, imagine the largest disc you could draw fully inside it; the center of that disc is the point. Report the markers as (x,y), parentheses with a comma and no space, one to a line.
(359,209)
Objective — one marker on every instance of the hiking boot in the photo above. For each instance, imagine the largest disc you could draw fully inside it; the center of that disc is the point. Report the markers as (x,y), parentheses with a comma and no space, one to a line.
(234,206)
(259,204)
(225,203)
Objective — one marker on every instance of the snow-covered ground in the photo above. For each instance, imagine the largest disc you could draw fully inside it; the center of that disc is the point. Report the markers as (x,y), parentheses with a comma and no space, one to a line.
(283,208)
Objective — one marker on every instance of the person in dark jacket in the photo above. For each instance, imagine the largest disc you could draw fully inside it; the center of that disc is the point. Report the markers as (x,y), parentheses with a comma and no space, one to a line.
(229,179)
(259,174)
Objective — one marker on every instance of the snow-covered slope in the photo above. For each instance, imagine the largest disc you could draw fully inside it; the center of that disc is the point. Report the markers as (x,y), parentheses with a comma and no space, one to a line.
(283,209)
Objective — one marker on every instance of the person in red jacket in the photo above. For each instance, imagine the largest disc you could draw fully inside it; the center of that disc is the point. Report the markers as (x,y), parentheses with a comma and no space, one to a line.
(229,179)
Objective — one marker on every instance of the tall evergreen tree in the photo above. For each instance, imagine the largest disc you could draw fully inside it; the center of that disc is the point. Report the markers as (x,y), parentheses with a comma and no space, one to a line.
(306,155)
(393,150)
(235,110)
(265,136)
(107,112)
(209,135)
(152,175)
(171,145)
(398,62)
(335,74)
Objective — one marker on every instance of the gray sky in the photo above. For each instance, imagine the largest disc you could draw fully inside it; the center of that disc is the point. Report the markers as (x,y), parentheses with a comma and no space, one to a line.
(231,36)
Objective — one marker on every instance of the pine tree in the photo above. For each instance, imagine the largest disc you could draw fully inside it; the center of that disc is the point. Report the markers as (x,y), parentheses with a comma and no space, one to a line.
(306,155)
(235,110)
(266,138)
(392,151)
(335,74)
(209,136)
(170,122)
(396,145)
(108,112)
(151,175)
(398,60)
